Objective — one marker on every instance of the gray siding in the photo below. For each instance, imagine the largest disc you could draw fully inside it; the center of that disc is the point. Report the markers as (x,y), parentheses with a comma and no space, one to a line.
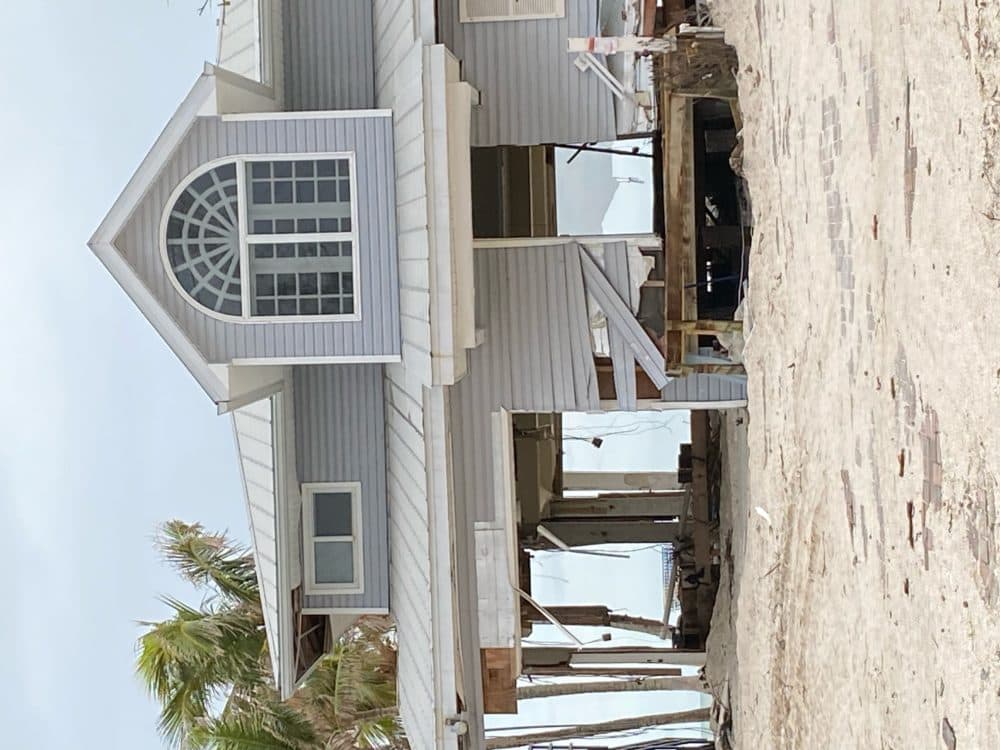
(328,55)
(536,355)
(340,437)
(220,341)
(531,90)
(706,387)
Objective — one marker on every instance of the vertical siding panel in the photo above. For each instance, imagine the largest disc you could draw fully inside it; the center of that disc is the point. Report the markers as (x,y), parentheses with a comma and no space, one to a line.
(532,91)
(532,356)
(329,56)
(340,437)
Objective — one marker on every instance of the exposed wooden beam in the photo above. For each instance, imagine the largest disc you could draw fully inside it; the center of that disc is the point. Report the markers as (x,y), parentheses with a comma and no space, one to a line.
(623,657)
(621,481)
(622,506)
(593,615)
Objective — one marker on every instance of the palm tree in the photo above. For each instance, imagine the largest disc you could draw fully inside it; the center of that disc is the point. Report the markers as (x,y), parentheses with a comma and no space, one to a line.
(350,697)
(208,666)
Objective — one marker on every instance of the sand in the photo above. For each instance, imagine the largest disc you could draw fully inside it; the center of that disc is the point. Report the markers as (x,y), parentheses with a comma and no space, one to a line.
(864,607)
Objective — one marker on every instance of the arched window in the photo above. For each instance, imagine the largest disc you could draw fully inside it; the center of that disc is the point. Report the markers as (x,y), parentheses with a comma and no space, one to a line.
(203,240)
(269,238)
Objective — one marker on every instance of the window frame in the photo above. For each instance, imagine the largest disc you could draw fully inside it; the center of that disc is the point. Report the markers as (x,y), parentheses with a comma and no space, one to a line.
(241,162)
(464,17)
(309,492)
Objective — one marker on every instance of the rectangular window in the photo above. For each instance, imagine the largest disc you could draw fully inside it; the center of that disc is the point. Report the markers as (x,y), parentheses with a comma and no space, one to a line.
(332,538)
(474,11)
(300,237)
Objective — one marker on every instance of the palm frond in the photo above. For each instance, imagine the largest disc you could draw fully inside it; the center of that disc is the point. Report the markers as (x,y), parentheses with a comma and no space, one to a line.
(209,560)
(209,670)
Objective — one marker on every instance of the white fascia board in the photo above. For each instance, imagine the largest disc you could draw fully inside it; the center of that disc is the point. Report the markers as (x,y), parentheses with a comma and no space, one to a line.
(286,618)
(441,525)
(200,98)
(449,190)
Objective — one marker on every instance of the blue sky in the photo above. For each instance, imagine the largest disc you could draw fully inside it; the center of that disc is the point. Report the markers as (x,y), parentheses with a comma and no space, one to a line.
(105,434)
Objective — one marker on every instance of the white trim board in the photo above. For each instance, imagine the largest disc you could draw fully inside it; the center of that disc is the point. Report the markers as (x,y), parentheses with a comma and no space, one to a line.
(335,360)
(313,114)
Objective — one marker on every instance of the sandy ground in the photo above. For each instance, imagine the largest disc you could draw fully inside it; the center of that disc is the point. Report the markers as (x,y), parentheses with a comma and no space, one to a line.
(865,606)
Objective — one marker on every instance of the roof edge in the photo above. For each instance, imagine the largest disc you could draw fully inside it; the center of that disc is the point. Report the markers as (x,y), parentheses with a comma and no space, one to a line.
(199,100)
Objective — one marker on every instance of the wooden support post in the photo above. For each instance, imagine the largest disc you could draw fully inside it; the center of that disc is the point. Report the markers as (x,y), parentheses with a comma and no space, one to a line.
(700,532)
(499,680)
(609,45)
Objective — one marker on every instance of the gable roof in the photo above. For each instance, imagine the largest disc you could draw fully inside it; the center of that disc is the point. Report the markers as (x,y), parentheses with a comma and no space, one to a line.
(215,92)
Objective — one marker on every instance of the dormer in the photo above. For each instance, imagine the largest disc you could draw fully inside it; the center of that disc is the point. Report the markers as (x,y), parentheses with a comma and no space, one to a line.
(250,236)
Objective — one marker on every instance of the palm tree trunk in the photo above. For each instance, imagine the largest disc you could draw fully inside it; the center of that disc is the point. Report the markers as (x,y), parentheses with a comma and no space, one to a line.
(691,683)
(604,727)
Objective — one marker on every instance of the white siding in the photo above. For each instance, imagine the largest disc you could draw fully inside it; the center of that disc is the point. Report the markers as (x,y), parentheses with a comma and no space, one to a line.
(254,441)
(531,90)
(239,38)
(423,616)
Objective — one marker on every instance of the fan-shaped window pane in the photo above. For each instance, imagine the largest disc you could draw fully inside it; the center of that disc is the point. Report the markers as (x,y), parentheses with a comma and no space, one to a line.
(203,242)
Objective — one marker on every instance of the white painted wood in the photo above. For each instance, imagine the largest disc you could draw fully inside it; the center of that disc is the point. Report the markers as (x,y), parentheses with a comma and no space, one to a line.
(620,316)
(497,547)
(253,436)
(239,43)
(323,114)
(345,360)
(417,470)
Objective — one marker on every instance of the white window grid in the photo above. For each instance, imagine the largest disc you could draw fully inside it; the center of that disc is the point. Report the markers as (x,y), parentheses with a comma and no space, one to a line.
(309,492)
(296,229)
